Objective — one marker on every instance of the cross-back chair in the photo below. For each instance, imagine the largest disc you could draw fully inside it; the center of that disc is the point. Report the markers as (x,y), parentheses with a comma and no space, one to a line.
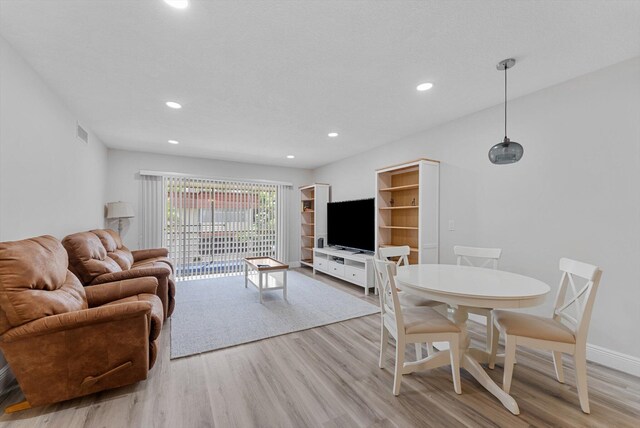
(411,325)
(401,254)
(564,333)
(485,258)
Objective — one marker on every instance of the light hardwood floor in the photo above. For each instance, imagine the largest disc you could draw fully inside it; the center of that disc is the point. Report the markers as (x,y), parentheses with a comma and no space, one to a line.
(328,377)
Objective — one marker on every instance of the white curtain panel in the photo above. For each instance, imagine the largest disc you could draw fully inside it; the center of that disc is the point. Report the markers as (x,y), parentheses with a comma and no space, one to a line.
(152,212)
(210,225)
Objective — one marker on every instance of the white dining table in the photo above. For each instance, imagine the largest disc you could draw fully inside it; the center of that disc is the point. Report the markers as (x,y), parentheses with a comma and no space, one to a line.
(463,287)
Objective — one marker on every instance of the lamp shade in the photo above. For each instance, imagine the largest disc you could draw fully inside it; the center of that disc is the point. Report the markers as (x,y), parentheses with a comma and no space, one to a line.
(119,210)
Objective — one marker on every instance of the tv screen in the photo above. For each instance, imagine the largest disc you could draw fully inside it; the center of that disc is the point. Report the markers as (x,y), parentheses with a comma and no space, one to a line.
(351,224)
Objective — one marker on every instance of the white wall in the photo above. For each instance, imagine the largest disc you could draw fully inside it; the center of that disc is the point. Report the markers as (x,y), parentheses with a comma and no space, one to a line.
(50,182)
(124,183)
(575,193)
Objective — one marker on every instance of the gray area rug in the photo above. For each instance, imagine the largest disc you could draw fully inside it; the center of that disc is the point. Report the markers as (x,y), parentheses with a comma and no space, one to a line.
(217,313)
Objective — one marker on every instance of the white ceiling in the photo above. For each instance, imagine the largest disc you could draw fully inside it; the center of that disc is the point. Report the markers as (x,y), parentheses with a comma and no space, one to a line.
(263,79)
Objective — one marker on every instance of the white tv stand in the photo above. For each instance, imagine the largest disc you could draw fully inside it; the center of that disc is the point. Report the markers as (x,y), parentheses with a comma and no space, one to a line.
(344,264)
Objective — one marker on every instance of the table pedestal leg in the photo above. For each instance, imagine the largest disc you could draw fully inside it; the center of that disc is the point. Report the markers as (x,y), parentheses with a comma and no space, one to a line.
(260,274)
(467,361)
(482,356)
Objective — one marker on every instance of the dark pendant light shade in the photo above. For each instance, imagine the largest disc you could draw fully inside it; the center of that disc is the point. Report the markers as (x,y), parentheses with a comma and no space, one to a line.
(506,151)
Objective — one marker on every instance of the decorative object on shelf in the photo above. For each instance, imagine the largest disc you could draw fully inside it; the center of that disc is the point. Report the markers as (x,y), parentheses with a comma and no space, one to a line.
(391,202)
(506,151)
(320,242)
(413,202)
(119,210)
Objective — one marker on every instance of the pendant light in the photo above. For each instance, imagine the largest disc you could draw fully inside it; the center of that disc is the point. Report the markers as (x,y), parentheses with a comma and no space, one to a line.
(506,151)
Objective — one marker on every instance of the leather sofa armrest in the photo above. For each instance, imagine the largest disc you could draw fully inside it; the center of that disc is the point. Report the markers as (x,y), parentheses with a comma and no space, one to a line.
(77,319)
(98,295)
(158,272)
(149,253)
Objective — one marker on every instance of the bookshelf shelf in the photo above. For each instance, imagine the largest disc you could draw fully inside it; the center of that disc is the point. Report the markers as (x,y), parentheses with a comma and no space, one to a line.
(400,208)
(400,188)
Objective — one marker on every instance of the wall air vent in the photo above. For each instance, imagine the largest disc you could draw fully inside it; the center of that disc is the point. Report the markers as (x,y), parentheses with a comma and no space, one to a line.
(82,134)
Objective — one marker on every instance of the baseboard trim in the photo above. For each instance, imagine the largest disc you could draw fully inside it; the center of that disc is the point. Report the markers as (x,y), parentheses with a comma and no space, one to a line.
(597,354)
(613,359)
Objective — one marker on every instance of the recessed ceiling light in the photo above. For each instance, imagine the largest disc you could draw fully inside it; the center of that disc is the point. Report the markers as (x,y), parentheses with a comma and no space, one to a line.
(173,142)
(290,157)
(173,104)
(332,134)
(424,86)
(178,4)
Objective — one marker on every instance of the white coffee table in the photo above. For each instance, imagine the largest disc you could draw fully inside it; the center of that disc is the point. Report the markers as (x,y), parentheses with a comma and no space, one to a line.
(257,270)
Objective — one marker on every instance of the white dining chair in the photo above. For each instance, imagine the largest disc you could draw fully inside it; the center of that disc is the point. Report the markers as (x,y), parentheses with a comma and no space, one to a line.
(412,325)
(564,333)
(401,254)
(482,257)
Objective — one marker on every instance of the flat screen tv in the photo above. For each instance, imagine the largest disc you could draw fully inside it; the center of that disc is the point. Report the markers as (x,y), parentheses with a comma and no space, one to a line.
(351,224)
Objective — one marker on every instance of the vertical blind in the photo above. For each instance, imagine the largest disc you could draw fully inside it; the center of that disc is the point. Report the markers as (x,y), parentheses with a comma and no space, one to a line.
(210,225)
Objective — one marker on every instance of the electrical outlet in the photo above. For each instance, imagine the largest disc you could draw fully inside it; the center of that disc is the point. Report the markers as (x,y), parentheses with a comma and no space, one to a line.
(452,225)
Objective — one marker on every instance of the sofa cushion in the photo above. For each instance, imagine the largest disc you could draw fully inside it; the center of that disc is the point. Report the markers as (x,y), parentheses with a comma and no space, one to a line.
(165,260)
(115,249)
(88,258)
(35,281)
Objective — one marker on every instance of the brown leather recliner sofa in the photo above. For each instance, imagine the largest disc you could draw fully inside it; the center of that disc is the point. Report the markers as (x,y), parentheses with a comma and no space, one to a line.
(63,340)
(98,256)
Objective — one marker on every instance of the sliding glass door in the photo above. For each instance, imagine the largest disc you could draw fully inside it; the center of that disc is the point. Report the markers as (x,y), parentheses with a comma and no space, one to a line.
(211,225)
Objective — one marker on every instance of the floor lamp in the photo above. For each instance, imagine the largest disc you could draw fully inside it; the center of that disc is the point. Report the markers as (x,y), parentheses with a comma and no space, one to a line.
(119,210)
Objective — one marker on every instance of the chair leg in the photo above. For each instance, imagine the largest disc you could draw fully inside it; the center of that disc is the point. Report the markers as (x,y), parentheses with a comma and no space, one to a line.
(418,347)
(397,377)
(429,349)
(384,342)
(495,336)
(454,352)
(580,360)
(509,357)
(557,363)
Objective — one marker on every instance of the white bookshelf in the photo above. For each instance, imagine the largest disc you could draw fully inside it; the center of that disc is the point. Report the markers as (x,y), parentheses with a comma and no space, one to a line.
(407,208)
(313,219)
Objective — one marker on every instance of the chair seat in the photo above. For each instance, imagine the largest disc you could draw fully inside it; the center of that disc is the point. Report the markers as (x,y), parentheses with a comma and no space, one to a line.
(419,320)
(535,327)
(407,299)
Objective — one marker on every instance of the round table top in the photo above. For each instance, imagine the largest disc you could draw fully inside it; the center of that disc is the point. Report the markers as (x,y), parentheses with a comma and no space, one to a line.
(471,286)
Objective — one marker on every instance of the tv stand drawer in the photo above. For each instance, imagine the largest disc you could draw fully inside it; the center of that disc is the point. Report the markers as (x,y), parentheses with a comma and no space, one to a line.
(335,268)
(320,263)
(355,275)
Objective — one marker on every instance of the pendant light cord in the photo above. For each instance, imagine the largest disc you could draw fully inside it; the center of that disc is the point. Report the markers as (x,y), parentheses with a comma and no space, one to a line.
(505,101)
